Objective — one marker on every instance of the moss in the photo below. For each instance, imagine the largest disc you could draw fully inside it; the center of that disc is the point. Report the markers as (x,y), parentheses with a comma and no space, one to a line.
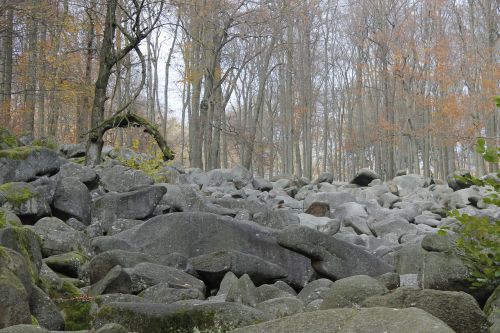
(16,193)
(46,143)
(7,221)
(34,321)
(22,239)
(9,278)
(76,314)
(7,139)
(19,153)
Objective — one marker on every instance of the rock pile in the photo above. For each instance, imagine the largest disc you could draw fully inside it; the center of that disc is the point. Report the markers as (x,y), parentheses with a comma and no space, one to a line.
(110,249)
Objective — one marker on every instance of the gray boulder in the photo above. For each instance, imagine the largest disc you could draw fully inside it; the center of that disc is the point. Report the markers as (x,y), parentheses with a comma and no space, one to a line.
(58,237)
(392,227)
(317,289)
(119,178)
(137,204)
(102,263)
(324,177)
(364,177)
(492,310)
(333,199)
(409,184)
(238,175)
(353,320)
(459,180)
(331,257)
(85,174)
(72,150)
(261,184)
(14,307)
(352,291)
(164,294)
(194,234)
(276,218)
(26,243)
(457,309)
(45,311)
(69,263)
(72,199)
(243,291)
(24,328)
(268,291)
(281,307)
(213,266)
(194,316)
(24,200)
(353,214)
(25,163)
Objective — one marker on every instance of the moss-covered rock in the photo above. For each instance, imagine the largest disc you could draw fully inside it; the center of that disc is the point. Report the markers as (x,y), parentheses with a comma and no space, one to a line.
(67,263)
(14,304)
(24,328)
(74,306)
(187,317)
(24,200)
(17,264)
(7,140)
(8,218)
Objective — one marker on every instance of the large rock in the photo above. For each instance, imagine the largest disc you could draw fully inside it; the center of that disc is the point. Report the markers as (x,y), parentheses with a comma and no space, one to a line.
(392,227)
(58,237)
(14,307)
(353,320)
(187,317)
(183,198)
(72,199)
(459,180)
(25,242)
(317,289)
(409,184)
(24,328)
(364,177)
(164,294)
(353,214)
(276,218)
(84,173)
(194,234)
(137,204)
(333,199)
(102,263)
(68,264)
(331,257)
(281,307)
(142,276)
(45,311)
(492,310)
(213,266)
(352,291)
(119,178)
(25,163)
(24,200)
(457,309)
(243,291)
(238,175)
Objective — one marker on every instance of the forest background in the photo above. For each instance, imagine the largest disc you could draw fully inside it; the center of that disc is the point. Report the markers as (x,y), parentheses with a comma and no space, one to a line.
(279,86)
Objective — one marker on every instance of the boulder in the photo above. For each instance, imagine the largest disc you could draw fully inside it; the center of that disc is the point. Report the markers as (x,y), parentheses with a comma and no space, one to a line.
(24,328)
(268,291)
(391,227)
(315,290)
(102,263)
(353,214)
(324,177)
(331,257)
(119,178)
(261,184)
(69,263)
(319,209)
(409,184)
(24,200)
(353,320)
(457,309)
(25,163)
(276,218)
(164,294)
(14,307)
(138,204)
(243,291)
(352,291)
(333,199)
(72,150)
(238,175)
(194,234)
(364,177)
(58,237)
(281,307)
(194,316)
(213,266)
(492,310)
(459,179)
(45,311)
(315,222)
(26,243)
(72,199)
(84,173)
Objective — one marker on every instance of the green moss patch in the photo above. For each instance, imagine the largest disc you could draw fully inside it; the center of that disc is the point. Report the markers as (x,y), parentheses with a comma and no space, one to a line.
(16,193)
(74,306)
(7,140)
(19,153)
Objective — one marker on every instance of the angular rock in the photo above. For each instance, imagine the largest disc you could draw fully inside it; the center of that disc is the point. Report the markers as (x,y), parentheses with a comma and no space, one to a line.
(332,258)
(203,317)
(390,280)
(459,180)
(409,184)
(213,266)
(72,150)
(267,292)
(318,209)
(352,291)
(353,320)
(492,310)
(364,177)
(457,309)
(243,291)
(25,242)
(14,307)
(85,174)
(238,175)
(391,226)
(137,204)
(324,177)
(315,222)
(194,234)
(24,200)
(72,199)
(354,215)
(25,163)
(261,184)
(119,178)
(45,311)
